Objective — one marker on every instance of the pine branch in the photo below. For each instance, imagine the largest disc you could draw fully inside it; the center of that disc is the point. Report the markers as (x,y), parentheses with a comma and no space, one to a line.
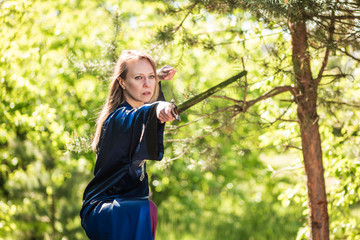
(194,138)
(246,83)
(188,13)
(227,98)
(357,105)
(335,76)
(287,120)
(247,39)
(280,118)
(348,54)
(275,172)
(167,161)
(173,127)
(273,92)
(352,17)
(327,51)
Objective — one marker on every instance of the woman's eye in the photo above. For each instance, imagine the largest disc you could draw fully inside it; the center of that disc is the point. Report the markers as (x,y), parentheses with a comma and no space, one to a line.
(138,77)
(152,76)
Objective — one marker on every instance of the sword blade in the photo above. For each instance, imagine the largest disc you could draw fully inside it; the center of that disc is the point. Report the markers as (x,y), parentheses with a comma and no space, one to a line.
(198,98)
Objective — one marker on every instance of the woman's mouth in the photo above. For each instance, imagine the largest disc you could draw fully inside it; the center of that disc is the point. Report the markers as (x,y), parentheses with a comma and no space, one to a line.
(147,93)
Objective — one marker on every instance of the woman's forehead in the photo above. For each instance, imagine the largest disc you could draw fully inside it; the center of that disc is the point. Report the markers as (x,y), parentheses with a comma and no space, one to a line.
(142,66)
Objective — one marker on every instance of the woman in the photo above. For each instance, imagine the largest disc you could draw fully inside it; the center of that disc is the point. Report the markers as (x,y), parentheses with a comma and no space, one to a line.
(128,131)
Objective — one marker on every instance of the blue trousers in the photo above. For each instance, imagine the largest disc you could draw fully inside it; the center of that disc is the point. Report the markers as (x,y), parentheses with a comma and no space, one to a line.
(122,219)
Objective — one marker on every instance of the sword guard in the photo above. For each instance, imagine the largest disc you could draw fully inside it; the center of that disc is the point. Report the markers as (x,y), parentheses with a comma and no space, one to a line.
(175,111)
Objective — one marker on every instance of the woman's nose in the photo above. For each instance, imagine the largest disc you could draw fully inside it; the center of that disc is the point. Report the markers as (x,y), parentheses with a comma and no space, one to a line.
(146,81)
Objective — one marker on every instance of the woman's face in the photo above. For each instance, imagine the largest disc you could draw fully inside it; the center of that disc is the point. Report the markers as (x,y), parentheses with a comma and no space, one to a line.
(139,85)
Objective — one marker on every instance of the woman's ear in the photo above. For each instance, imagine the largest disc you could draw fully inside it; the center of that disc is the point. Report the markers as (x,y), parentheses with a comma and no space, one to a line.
(121,82)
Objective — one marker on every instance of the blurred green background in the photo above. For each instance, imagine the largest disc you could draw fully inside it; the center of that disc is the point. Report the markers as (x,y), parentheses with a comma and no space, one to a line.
(225,175)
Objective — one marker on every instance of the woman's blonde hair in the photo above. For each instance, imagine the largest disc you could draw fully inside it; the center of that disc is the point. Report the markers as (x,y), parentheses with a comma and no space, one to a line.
(116,96)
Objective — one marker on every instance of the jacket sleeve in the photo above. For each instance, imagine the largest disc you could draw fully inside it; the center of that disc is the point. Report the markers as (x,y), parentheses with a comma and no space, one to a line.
(144,131)
(161,94)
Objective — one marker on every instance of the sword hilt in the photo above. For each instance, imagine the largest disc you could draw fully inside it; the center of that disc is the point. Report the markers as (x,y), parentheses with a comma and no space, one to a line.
(175,111)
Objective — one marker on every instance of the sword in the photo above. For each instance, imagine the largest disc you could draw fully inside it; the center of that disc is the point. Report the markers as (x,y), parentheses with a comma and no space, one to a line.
(176,110)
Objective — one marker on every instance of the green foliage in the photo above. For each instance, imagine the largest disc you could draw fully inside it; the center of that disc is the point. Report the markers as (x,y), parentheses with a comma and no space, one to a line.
(224,192)
(44,100)
(224,174)
(261,42)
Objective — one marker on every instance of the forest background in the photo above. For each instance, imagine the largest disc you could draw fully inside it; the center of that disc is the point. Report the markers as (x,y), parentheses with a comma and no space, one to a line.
(231,170)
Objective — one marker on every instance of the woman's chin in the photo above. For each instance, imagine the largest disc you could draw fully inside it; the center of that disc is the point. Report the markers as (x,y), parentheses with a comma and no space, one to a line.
(147,99)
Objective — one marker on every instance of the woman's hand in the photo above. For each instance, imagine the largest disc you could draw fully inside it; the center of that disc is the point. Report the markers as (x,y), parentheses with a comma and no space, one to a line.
(163,112)
(167,72)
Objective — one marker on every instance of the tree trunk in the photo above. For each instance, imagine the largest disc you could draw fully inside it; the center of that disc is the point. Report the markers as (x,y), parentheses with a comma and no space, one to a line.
(311,143)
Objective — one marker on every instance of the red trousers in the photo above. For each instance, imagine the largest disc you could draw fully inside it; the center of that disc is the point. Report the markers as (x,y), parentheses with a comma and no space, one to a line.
(153,217)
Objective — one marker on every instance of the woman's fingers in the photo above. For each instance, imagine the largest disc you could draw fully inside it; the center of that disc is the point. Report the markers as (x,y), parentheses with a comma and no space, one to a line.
(164,112)
(166,116)
(170,74)
(166,73)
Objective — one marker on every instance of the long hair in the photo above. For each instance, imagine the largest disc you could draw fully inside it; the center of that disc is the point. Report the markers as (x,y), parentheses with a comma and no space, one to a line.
(116,95)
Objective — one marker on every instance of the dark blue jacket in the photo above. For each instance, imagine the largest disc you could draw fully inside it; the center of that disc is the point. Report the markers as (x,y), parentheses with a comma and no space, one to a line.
(129,137)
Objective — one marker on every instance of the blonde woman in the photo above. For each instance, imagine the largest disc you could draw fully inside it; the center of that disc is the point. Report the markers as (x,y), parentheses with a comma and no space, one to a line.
(129,131)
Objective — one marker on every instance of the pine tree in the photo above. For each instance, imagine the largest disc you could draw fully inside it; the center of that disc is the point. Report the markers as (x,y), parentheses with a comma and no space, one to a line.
(317,28)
